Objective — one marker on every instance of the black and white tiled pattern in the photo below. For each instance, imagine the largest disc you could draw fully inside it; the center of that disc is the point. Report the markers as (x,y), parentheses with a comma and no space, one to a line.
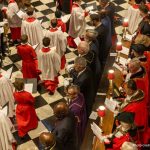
(43,101)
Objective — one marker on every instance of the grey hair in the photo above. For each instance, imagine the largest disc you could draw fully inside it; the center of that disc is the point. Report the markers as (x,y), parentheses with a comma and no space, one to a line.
(80,61)
(135,62)
(85,46)
(93,33)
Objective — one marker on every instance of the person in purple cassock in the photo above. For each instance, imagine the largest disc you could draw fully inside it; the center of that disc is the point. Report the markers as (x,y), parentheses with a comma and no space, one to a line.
(77,106)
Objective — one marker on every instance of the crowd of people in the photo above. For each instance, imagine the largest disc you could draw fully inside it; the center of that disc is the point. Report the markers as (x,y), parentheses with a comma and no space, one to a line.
(45,61)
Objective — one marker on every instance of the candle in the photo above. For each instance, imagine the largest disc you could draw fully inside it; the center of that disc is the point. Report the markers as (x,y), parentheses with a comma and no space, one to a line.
(125,23)
(101,111)
(119,46)
(111,75)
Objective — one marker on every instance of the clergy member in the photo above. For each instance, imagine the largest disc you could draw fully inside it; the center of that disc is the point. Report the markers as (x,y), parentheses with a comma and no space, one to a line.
(14,21)
(7,140)
(33,29)
(25,112)
(64,5)
(77,106)
(59,40)
(6,95)
(60,23)
(28,56)
(49,64)
(77,23)
(133,16)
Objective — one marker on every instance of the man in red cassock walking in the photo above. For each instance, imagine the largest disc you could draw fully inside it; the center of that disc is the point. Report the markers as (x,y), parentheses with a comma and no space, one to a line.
(25,112)
(28,56)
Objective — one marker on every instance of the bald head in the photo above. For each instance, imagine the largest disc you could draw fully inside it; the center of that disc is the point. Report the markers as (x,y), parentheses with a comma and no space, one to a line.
(83,48)
(61,110)
(134,65)
(47,139)
(73,91)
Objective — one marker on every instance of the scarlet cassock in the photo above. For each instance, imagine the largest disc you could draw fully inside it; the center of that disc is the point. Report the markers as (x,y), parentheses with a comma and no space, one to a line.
(6,136)
(49,64)
(6,95)
(58,39)
(61,24)
(134,17)
(28,56)
(137,105)
(33,29)
(25,112)
(77,24)
(13,20)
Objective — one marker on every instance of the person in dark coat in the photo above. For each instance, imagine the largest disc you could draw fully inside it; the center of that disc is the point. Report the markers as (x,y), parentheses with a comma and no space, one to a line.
(65,5)
(102,36)
(107,23)
(48,141)
(65,127)
(77,106)
(83,77)
(91,38)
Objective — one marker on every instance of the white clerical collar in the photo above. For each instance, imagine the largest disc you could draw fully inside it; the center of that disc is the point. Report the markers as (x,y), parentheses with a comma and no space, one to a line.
(46,47)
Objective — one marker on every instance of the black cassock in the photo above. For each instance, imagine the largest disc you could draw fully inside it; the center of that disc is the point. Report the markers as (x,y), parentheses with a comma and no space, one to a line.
(65,6)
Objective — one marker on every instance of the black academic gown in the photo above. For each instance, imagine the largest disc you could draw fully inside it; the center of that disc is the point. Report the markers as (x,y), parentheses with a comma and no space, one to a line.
(65,132)
(101,29)
(86,83)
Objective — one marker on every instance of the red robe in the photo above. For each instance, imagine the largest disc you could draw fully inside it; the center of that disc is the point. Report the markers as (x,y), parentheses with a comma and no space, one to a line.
(49,84)
(25,112)
(28,56)
(61,24)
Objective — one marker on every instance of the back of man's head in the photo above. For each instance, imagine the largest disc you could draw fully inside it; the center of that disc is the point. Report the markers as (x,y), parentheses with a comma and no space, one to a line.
(81,61)
(46,41)
(47,139)
(58,14)
(83,47)
(24,38)
(54,23)
(95,17)
(30,11)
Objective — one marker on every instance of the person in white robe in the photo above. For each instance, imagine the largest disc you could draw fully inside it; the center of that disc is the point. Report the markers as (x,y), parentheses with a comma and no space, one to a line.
(14,20)
(49,64)
(6,95)
(33,29)
(134,17)
(6,136)
(77,22)
(58,39)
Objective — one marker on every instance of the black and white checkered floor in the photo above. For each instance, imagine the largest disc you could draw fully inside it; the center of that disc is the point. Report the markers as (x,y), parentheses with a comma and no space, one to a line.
(43,101)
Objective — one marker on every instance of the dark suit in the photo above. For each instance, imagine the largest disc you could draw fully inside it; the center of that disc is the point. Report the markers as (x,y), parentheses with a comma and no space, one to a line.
(86,83)
(96,65)
(65,132)
(102,36)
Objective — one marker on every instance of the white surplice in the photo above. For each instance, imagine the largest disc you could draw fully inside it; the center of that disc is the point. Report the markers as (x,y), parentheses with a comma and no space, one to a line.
(133,15)
(13,19)
(6,137)
(6,95)
(58,39)
(77,22)
(34,32)
(49,63)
